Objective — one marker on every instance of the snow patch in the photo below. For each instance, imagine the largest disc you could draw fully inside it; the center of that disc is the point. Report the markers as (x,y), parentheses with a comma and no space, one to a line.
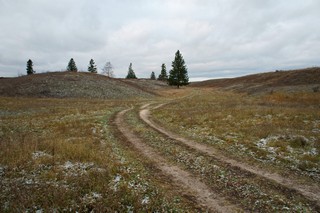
(75,169)
(312,151)
(145,200)
(116,181)
(262,143)
(117,178)
(2,170)
(92,197)
(39,154)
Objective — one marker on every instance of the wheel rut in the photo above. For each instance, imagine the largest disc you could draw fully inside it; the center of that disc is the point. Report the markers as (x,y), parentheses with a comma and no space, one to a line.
(312,193)
(190,185)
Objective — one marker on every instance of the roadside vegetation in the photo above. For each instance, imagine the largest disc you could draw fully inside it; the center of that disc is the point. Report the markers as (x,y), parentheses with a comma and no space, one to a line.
(279,131)
(63,155)
(243,189)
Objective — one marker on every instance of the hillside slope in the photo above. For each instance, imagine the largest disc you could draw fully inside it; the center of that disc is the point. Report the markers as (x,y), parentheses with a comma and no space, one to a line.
(76,85)
(304,79)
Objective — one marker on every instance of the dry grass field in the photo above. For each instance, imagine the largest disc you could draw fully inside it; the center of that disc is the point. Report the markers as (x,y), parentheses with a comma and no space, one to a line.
(80,152)
(62,155)
(277,130)
(302,80)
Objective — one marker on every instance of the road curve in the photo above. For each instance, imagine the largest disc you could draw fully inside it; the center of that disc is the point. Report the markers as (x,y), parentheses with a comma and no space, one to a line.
(312,193)
(184,179)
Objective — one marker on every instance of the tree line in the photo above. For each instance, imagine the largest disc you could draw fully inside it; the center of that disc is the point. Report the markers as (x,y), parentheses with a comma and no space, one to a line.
(178,75)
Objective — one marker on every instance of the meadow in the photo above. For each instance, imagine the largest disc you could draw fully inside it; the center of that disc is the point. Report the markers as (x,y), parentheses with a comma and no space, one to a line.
(276,130)
(64,155)
(70,155)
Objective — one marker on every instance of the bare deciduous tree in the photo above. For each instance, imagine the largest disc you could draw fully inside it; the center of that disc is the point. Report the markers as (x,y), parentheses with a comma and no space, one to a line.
(108,70)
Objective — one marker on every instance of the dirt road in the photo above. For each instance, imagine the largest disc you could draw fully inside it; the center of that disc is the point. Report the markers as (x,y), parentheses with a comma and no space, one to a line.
(190,185)
(311,192)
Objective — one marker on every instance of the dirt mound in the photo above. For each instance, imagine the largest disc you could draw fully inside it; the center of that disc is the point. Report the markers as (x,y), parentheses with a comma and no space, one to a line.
(304,79)
(75,85)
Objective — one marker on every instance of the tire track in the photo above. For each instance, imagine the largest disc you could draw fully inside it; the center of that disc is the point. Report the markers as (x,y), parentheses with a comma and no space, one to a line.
(184,179)
(312,193)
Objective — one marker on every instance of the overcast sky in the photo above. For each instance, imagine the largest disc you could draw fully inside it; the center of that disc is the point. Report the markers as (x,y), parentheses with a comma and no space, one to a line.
(217,38)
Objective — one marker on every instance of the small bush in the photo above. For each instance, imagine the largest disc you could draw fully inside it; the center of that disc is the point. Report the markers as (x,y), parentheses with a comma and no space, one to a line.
(299,142)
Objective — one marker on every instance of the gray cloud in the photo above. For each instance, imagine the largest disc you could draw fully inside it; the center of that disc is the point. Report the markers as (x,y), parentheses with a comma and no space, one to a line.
(222,38)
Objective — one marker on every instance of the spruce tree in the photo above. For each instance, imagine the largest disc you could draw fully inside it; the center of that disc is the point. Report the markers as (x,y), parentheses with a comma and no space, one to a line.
(72,66)
(153,76)
(29,69)
(163,74)
(131,73)
(92,67)
(178,75)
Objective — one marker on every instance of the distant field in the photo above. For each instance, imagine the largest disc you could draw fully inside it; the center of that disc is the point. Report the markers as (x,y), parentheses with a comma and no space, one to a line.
(302,80)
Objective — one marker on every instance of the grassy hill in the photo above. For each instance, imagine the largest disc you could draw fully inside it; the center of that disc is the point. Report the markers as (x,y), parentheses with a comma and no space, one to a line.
(77,85)
(101,151)
(294,80)
(88,85)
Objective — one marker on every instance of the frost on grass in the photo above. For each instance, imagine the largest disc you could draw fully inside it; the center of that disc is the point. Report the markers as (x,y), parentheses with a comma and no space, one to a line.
(116,181)
(145,200)
(76,169)
(40,154)
(2,170)
(296,149)
(202,133)
(91,198)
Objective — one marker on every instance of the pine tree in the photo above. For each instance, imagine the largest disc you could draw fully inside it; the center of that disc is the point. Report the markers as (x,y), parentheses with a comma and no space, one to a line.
(153,76)
(92,67)
(72,66)
(29,69)
(108,70)
(163,74)
(131,73)
(178,75)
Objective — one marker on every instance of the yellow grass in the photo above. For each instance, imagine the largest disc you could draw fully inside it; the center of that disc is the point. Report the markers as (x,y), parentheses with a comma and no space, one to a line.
(62,155)
(238,124)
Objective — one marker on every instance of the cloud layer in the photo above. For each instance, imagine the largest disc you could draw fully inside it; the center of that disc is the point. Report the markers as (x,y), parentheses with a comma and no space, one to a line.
(221,38)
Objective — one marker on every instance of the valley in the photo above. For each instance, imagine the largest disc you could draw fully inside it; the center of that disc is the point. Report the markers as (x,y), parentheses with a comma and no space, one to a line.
(148,147)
